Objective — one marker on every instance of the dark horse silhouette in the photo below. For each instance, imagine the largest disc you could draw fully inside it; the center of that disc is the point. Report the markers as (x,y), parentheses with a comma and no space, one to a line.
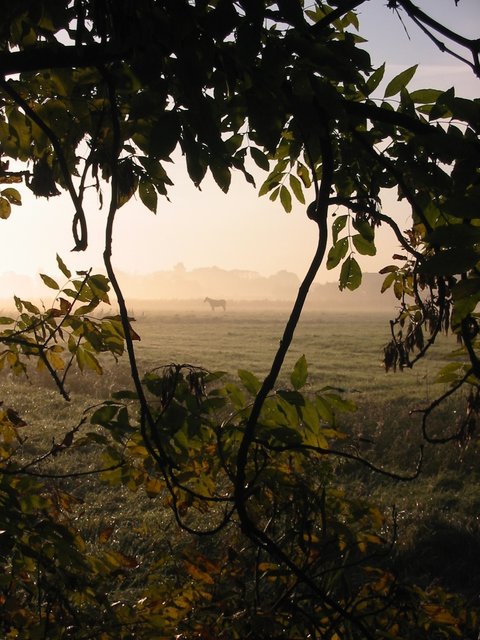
(216,303)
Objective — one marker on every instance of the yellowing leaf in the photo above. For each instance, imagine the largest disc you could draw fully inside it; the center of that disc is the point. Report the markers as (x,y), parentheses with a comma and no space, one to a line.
(153,486)
(198,574)
(133,334)
(267,566)
(89,361)
(12,195)
(299,375)
(117,560)
(105,535)
(55,360)
(440,615)
(5,208)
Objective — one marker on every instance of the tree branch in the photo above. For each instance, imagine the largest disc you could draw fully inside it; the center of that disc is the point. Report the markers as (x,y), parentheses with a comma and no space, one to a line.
(387,164)
(56,56)
(242,487)
(81,241)
(418,16)
(348,456)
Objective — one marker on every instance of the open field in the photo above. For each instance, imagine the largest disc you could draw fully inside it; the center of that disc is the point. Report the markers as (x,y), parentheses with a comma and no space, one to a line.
(343,351)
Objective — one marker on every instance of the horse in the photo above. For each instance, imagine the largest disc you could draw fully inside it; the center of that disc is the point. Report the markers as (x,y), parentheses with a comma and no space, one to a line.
(216,303)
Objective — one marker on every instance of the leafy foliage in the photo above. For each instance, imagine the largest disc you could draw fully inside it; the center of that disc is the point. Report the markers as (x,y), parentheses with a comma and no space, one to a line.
(65,333)
(95,92)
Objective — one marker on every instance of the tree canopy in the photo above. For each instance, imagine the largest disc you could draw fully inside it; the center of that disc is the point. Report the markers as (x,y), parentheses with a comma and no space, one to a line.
(97,92)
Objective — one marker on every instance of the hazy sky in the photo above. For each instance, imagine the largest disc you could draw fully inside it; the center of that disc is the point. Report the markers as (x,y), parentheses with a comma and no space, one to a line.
(238,230)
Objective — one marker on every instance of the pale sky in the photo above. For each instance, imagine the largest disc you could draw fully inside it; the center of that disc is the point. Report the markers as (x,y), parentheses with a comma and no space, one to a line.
(237,230)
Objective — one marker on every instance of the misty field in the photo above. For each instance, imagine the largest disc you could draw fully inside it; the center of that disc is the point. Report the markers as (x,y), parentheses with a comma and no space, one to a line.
(343,351)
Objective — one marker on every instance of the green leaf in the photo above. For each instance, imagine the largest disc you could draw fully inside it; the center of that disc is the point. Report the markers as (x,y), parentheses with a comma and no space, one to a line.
(12,195)
(296,187)
(285,198)
(363,246)
(292,397)
(5,209)
(350,274)
(462,308)
(31,308)
(221,173)
(450,262)
(260,158)
(337,253)
(270,183)
(196,163)
(285,435)
(375,79)
(299,374)
(338,225)
(274,195)
(304,175)
(50,282)
(364,229)
(251,383)
(466,288)
(400,81)
(104,415)
(87,360)
(125,394)
(148,195)
(425,96)
(464,206)
(235,396)
(454,235)
(63,268)
(338,403)
(164,135)
(99,284)
(389,280)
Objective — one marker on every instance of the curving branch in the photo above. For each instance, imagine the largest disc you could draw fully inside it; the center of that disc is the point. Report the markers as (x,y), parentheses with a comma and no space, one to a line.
(319,214)
(468,333)
(433,405)
(147,422)
(389,166)
(347,456)
(362,206)
(79,225)
(56,56)
(242,489)
(423,20)
(344,6)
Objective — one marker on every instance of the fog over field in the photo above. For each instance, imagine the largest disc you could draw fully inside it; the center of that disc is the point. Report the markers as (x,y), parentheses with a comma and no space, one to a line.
(184,288)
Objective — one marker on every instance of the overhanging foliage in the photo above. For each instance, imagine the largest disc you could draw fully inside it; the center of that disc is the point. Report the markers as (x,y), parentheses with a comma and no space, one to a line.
(94,92)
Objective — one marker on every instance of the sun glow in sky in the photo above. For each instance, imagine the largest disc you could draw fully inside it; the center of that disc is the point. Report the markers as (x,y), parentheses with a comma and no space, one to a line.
(238,230)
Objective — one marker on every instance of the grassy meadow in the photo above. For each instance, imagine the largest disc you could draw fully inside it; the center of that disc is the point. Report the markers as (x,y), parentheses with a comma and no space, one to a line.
(438,514)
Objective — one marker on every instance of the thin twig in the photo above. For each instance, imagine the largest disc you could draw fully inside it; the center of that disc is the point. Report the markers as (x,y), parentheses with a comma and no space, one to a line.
(344,454)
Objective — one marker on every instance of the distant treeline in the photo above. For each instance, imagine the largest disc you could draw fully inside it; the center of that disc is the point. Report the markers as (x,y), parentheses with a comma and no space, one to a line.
(180,285)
